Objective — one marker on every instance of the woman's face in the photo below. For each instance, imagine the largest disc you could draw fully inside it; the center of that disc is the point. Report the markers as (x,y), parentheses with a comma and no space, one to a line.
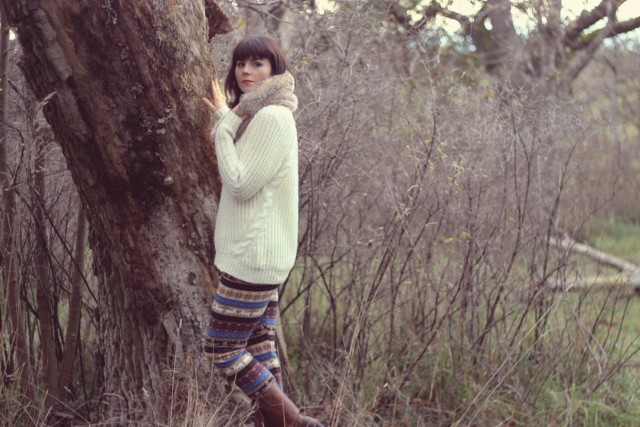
(250,72)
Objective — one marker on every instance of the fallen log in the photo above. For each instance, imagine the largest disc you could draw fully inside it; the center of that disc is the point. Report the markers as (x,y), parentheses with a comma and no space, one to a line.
(596,255)
(630,284)
(627,280)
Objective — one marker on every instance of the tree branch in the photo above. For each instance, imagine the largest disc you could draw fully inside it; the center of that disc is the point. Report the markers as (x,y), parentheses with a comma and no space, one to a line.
(430,12)
(435,9)
(625,26)
(581,59)
(617,29)
(403,20)
(588,18)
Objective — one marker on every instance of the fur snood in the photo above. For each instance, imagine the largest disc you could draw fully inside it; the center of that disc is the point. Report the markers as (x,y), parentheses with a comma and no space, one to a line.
(276,90)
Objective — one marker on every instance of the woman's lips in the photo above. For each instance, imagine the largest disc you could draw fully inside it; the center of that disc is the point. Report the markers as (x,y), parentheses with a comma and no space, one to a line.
(247,81)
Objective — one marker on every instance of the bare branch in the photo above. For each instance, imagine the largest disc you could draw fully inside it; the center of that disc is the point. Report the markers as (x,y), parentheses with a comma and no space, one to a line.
(588,18)
(75,304)
(625,26)
(404,22)
(435,9)
(430,12)
(617,29)
(581,59)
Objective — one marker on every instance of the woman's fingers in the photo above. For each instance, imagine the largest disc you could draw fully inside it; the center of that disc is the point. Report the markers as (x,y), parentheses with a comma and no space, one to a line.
(217,101)
(210,106)
(215,89)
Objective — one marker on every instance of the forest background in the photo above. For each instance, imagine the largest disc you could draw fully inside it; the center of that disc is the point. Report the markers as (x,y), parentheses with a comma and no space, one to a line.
(468,250)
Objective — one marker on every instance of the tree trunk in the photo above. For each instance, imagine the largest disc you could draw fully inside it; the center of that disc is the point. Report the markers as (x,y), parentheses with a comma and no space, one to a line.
(126,80)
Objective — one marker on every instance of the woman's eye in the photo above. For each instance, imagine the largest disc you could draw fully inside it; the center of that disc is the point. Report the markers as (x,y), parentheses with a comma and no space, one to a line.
(239,64)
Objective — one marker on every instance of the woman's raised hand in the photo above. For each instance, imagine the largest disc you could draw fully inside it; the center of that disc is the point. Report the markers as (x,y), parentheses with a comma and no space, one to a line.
(217,96)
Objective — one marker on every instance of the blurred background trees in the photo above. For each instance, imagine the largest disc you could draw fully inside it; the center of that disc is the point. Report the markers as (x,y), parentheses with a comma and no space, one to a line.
(544,51)
(440,165)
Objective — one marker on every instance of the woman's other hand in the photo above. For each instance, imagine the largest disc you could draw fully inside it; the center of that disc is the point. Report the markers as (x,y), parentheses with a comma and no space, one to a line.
(243,117)
(217,101)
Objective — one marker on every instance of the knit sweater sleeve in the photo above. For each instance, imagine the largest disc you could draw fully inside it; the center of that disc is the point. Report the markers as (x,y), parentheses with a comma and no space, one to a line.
(218,115)
(267,139)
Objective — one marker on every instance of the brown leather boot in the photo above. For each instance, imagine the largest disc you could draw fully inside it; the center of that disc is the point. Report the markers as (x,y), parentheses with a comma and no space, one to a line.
(278,410)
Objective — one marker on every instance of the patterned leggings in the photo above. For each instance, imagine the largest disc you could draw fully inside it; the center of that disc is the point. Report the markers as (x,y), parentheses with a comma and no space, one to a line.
(242,334)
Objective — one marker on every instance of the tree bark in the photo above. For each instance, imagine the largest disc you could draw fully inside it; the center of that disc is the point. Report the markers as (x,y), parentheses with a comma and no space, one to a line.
(127,80)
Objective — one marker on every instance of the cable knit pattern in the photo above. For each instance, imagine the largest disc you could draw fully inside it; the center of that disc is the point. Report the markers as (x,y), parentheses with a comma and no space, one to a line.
(257,223)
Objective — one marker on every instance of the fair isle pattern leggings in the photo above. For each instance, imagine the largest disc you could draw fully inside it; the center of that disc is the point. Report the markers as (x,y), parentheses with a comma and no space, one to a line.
(242,334)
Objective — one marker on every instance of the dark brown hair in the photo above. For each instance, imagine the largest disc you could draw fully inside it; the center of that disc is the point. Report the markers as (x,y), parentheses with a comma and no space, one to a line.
(255,47)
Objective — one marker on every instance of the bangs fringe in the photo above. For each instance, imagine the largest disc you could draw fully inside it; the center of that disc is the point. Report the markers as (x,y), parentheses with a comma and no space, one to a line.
(251,48)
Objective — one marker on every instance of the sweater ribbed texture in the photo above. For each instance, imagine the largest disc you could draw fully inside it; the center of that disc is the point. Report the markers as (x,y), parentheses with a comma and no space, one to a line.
(256,232)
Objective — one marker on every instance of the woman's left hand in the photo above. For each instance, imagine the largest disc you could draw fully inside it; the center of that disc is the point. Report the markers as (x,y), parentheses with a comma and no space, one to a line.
(217,96)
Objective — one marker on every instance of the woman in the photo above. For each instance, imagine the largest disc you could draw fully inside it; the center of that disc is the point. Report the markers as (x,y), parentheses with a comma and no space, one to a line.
(257,223)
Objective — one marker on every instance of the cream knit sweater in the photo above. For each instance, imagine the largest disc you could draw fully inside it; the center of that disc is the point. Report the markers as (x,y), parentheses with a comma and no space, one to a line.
(256,232)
